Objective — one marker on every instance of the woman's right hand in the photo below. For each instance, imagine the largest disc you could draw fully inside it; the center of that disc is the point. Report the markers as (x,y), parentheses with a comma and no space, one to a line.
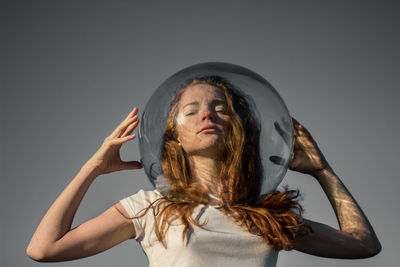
(54,240)
(107,159)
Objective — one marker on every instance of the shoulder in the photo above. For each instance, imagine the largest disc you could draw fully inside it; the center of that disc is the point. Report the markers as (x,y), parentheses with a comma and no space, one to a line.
(135,207)
(141,200)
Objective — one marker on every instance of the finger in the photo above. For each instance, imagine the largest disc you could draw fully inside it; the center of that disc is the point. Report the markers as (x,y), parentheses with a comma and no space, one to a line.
(295,127)
(128,138)
(133,112)
(130,117)
(122,140)
(299,129)
(298,125)
(123,125)
(130,128)
(131,165)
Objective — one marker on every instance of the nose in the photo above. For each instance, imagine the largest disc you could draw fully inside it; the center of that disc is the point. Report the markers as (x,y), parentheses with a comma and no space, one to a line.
(207,114)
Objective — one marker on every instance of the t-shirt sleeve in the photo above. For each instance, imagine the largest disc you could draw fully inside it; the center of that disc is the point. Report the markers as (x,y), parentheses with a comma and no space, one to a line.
(135,205)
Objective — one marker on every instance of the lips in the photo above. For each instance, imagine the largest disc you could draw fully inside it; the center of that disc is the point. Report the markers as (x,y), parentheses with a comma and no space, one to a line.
(208,129)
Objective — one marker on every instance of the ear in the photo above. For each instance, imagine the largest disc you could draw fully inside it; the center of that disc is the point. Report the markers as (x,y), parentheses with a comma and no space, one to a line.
(179,141)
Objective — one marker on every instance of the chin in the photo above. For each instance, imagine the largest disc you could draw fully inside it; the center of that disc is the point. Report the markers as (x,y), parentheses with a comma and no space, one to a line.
(208,151)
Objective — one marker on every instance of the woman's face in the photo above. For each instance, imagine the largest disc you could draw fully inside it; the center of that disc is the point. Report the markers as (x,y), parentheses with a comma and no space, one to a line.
(202,120)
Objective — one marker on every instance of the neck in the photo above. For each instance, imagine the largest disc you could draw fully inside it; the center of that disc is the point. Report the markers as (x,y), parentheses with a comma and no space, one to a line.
(206,171)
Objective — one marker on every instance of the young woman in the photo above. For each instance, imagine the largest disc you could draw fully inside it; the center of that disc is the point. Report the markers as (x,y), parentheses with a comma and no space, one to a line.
(211,214)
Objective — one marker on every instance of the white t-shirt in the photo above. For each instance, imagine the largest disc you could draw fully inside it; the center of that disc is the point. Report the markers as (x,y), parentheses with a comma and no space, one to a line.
(220,242)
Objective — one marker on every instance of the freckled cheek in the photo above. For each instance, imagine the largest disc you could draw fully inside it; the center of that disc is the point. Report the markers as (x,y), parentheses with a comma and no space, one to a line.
(185,133)
(186,124)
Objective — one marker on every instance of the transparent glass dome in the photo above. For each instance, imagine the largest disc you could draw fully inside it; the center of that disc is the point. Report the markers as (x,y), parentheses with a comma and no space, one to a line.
(276,136)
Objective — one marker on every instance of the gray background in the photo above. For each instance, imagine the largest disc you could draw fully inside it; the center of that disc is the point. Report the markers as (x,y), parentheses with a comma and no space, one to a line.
(72,70)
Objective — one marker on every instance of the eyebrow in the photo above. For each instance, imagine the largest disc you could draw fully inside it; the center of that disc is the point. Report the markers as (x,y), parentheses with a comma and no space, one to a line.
(216,101)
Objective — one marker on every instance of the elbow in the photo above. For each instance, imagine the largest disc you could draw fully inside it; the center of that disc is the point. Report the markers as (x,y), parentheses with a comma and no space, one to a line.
(375,250)
(36,254)
(372,250)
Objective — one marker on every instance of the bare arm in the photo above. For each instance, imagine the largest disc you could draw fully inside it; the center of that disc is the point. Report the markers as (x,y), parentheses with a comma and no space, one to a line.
(54,240)
(356,237)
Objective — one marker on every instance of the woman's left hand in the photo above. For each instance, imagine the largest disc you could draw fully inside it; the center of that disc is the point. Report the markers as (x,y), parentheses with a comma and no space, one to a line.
(356,238)
(307,157)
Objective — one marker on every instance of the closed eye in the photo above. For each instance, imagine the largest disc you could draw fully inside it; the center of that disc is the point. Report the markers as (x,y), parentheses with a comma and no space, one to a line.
(220,108)
(190,113)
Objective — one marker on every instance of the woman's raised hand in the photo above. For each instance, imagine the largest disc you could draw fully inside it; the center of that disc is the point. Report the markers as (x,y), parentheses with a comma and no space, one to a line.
(54,240)
(107,159)
(307,157)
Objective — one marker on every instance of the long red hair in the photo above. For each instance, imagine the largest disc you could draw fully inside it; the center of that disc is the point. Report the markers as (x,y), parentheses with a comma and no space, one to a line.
(276,218)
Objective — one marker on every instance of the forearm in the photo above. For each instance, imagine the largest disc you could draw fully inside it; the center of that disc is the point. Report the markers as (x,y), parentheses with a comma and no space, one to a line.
(351,218)
(58,219)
